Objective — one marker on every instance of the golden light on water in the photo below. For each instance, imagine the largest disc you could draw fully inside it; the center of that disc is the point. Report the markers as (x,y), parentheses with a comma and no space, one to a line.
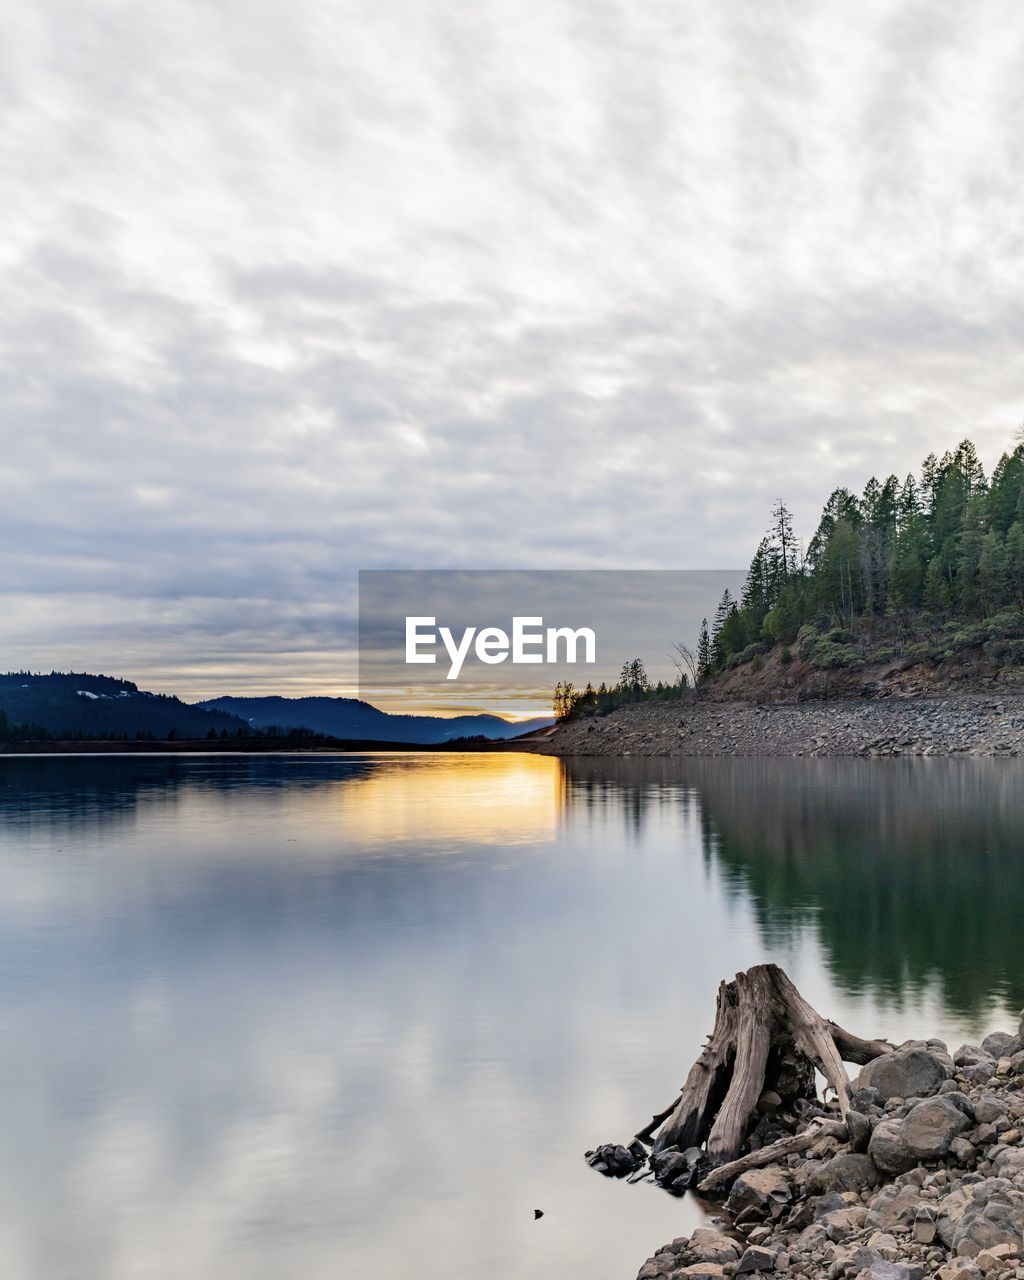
(504,798)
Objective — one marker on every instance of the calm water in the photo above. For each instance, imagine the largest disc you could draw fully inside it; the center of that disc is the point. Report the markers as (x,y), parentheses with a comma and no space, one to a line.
(359,1015)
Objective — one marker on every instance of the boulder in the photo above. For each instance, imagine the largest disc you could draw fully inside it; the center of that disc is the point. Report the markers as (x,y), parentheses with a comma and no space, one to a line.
(1000,1044)
(972,1055)
(996,1219)
(708,1245)
(841,1223)
(848,1171)
(887,1149)
(756,1259)
(894,1205)
(760,1189)
(1008,1162)
(931,1126)
(989,1108)
(905,1073)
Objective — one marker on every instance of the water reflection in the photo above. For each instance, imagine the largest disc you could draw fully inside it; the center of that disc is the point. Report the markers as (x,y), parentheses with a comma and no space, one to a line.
(911,873)
(321,1016)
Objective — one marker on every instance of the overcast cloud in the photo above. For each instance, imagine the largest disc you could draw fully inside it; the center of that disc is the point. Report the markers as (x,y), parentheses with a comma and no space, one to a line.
(292,289)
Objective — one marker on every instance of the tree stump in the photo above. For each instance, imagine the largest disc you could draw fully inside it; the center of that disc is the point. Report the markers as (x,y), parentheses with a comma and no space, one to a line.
(765,1035)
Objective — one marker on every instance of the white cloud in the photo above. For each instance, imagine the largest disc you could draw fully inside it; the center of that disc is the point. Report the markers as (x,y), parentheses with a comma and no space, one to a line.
(307,288)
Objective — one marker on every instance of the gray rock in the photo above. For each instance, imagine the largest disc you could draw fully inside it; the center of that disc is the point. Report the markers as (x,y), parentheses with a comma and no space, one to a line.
(756,1259)
(841,1223)
(971,1055)
(864,1099)
(959,1100)
(906,1073)
(848,1171)
(860,1130)
(1008,1162)
(951,1209)
(894,1205)
(887,1148)
(708,1245)
(989,1108)
(931,1126)
(996,1219)
(999,1044)
(759,1189)
(963,1152)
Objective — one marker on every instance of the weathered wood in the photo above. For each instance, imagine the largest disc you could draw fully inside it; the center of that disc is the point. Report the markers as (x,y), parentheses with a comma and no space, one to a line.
(757,1013)
(853,1049)
(647,1132)
(773,1152)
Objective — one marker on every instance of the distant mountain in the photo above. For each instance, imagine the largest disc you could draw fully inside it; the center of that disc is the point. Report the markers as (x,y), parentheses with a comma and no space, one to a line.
(70,705)
(352,718)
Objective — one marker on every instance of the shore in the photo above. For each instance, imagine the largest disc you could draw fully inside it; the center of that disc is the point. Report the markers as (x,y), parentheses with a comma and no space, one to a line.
(960,725)
(924,1176)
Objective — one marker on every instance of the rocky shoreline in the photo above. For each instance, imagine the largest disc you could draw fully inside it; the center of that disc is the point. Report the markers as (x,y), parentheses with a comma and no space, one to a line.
(962,725)
(923,1176)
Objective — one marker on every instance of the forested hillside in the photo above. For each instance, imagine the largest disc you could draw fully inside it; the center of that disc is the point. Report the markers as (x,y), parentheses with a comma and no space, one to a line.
(922,566)
(70,705)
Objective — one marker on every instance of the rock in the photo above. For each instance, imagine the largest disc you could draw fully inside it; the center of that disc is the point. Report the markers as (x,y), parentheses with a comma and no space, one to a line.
(1008,1162)
(931,1126)
(959,1100)
(756,1259)
(613,1160)
(951,1209)
(701,1270)
(709,1245)
(999,1044)
(970,1055)
(905,1073)
(882,1269)
(863,1099)
(997,1258)
(887,1148)
(860,1130)
(841,1223)
(990,1219)
(760,1189)
(848,1171)
(925,1228)
(989,1108)
(963,1152)
(893,1206)
(959,1269)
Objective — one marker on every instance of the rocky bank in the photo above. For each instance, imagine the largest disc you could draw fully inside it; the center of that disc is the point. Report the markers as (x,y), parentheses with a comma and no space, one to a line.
(924,1176)
(965,725)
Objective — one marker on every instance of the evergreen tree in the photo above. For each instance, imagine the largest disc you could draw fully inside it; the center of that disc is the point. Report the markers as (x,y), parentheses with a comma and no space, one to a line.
(703,651)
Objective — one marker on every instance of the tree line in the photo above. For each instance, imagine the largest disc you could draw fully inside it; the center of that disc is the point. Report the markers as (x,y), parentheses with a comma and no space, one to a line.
(633,685)
(948,543)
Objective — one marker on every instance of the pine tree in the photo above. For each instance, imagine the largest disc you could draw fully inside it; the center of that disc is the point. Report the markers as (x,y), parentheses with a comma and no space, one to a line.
(992,573)
(1015,562)
(703,651)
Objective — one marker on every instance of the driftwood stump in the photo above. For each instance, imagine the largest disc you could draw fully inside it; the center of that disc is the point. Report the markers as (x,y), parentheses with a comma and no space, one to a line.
(760,1016)
(766,1037)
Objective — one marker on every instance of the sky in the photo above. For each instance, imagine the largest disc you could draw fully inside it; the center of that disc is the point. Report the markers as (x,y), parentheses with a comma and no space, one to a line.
(291,290)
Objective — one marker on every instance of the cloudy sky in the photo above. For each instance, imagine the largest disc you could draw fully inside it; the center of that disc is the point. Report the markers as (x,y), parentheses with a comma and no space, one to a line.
(291,289)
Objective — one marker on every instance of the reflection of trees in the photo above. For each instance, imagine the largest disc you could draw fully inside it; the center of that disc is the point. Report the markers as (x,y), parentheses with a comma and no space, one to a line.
(623,790)
(79,792)
(910,872)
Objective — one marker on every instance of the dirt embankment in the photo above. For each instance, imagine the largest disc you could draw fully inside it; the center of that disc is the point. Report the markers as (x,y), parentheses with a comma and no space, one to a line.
(962,725)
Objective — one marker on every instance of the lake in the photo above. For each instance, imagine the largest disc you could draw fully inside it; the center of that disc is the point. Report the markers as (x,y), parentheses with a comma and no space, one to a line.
(340,1016)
